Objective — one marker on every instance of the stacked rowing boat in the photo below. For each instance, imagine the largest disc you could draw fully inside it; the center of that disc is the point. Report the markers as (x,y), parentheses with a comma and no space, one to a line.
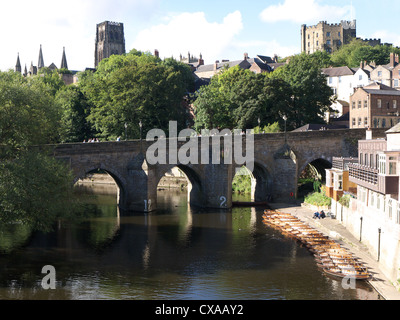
(330,256)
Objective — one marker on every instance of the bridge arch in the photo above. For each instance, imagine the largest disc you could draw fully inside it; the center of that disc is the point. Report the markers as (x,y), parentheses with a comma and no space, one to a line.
(312,169)
(261,181)
(116,176)
(195,185)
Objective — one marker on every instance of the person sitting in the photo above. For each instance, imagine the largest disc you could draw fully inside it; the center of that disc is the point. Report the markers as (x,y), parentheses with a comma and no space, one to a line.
(322,214)
(316,215)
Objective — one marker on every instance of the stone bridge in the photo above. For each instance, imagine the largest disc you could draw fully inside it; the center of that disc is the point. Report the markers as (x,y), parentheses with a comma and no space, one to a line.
(279,159)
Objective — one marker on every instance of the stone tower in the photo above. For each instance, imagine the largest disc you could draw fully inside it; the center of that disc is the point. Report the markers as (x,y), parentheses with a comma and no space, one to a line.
(110,40)
(327,37)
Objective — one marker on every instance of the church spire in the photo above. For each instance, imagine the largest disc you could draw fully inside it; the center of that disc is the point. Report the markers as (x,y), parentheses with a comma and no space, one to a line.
(64,64)
(40,61)
(18,65)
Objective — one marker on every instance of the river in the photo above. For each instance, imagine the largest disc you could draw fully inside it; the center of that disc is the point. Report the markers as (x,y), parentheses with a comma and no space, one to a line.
(177,252)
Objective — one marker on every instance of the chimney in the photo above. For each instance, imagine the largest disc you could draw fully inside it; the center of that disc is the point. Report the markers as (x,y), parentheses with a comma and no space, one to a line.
(392,59)
(362,65)
(246,56)
(275,58)
(156,53)
(201,61)
(368,135)
(216,65)
(396,58)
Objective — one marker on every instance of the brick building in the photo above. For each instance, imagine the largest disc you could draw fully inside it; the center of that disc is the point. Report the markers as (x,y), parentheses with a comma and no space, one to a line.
(374,106)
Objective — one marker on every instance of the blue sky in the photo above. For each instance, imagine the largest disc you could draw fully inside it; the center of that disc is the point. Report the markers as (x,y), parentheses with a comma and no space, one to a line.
(217,29)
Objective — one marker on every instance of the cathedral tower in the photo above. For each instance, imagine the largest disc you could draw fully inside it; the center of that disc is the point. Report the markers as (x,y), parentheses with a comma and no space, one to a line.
(110,40)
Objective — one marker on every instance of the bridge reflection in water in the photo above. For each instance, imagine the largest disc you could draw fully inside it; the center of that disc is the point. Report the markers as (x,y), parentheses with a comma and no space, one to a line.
(177,252)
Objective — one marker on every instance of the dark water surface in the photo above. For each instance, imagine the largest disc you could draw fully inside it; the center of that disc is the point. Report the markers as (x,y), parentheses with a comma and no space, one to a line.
(175,253)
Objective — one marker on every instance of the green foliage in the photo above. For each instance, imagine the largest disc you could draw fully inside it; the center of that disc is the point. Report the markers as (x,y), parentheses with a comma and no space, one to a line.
(356,51)
(270,128)
(241,184)
(75,109)
(345,200)
(133,87)
(34,188)
(318,199)
(236,98)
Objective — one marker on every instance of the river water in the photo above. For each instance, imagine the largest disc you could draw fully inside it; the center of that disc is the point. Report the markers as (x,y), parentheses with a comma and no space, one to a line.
(177,252)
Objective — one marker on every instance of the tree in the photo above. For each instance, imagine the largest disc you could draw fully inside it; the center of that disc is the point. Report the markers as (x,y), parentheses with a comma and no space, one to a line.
(311,96)
(33,187)
(135,87)
(74,111)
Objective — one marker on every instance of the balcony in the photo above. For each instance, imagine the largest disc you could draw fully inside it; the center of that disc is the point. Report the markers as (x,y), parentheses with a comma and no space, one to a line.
(364,176)
(342,163)
(368,177)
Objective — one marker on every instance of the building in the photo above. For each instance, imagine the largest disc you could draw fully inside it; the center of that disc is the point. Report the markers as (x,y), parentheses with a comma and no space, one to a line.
(340,80)
(110,40)
(337,178)
(327,37)
(259,64)
(376,217)
(374,106)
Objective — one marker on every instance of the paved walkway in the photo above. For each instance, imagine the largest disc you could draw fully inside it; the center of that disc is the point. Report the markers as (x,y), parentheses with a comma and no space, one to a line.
(334,229)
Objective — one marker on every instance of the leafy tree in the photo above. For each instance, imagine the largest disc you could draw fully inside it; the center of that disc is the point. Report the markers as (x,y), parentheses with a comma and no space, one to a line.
(135,87)
(74,111)
(33,186)
(311,96)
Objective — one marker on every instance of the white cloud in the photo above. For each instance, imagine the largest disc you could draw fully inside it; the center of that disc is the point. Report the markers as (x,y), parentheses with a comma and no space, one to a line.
(56,24)
(386,37)
(191,32)
(305,11)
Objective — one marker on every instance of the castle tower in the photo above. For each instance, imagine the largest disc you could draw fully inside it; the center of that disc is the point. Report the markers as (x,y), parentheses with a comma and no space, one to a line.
(110,40)
(40,60)
(64,64)
(18,65)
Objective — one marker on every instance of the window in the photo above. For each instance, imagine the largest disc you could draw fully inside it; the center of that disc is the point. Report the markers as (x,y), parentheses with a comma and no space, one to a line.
(377,161)
(360,77)
(389,206)
(361,158)
(394,104)
(340,79)
(392,165)
(353,106)
(379,103)
(330,80)
(365,103)
(383,123)
(359,104)
(365,122)
(328,42)
(338,185)
(379,73)
(396,82)
(353,121)
(382,164)
(366,159)
(317,43)
(317,35)
(375,123)
(398,214)
(359,121)
(339,33)
(371,160)
(328,34)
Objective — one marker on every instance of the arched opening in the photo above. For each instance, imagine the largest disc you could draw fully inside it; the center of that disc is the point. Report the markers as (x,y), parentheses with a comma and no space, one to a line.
(251,186)
(312,177)
(178,181)
(100,182)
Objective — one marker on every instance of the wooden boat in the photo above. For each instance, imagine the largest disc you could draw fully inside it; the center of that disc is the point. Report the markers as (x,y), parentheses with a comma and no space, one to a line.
(337,272)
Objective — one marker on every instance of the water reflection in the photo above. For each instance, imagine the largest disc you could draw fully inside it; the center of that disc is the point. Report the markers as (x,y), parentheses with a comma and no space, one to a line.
(174,253)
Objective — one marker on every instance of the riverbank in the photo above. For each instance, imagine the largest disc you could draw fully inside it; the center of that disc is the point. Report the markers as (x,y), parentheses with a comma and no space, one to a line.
(335,230)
